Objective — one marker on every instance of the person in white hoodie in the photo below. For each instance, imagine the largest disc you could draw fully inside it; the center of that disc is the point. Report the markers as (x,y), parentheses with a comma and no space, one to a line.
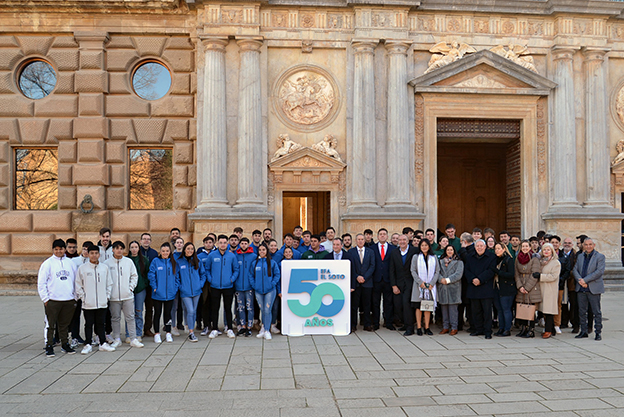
(125,278)
(74,327)
(55,284)
(94,286)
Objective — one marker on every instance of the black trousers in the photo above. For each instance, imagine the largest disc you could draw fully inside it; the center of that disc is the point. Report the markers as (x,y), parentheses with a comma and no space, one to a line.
(481,309)
(361,299)
(403,305)
(382,288)
(549,323)
(215,301)
(97,318)
(180,315)
(149,310)
(59,313)
(158,310)
(206,315)
(109,321)
(74,327)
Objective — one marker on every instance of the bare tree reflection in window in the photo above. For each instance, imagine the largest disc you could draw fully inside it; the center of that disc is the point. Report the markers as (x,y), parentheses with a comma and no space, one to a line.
(37,80)
(36,179)
(151,81)
(151,179)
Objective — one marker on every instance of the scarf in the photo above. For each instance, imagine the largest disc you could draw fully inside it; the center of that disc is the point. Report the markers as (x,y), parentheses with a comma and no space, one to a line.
(426,271)
(544,260)
(524,258)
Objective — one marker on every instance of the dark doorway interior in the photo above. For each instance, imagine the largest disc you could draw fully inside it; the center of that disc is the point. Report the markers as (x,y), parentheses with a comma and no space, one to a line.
(311,210)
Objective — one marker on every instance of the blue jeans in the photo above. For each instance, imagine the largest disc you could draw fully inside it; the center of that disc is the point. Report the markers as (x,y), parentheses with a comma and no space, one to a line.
(245,308)
(275,311)
(505,316)
(265,301)
(139,304)
(190,308)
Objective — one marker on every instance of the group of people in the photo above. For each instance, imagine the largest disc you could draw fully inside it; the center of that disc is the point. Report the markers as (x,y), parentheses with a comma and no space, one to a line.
(401,278)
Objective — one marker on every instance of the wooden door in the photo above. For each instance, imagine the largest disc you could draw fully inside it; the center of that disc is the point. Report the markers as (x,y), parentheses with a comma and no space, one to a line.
(317,210)
(471,185)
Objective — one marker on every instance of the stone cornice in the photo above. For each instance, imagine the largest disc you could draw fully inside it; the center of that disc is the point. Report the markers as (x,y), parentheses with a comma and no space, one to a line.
(101,6)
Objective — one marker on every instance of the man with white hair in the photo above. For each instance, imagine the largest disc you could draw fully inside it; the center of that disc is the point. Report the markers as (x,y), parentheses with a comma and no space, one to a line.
(588,274)
(479,273)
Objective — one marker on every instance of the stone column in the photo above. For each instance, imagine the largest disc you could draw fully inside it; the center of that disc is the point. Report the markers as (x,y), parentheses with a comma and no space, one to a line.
(399,144)
(212,144)
(362,165)
(596,138)
(563,143)
(249,125)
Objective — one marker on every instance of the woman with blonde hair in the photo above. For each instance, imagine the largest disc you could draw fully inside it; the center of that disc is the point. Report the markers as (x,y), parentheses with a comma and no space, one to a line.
(527,272)
(549,287)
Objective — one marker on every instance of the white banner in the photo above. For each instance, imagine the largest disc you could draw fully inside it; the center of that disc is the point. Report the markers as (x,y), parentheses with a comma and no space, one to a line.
(316,297)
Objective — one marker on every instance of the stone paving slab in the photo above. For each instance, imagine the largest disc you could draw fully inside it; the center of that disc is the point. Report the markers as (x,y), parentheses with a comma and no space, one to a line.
(364,374)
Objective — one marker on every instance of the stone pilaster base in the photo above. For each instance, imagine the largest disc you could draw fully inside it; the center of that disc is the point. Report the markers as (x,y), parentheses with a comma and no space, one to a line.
(224,223)
(395,222)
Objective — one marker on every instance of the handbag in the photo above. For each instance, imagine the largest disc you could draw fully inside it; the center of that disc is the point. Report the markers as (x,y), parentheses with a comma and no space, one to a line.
(525,311)
(426,303)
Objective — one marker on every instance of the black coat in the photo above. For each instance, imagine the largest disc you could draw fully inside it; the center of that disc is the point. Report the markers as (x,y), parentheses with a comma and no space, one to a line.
(481,267)
(365,269)
(400,274)
(504,268)
(566,268)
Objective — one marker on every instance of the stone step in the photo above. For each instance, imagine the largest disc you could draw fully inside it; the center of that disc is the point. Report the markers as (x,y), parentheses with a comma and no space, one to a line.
(18,277)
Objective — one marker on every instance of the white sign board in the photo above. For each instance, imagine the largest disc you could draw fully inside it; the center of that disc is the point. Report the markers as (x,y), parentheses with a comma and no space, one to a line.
(316,297)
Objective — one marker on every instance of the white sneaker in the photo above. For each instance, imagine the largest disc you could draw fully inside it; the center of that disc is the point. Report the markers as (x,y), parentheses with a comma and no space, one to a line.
(261,333)
(230,334)
(274,329)
(557,329)
(175,331)
(205,331)
(109,339)
(135,343)
(267,336)
(140,339)
(107,348)
(87,349)
(116,343)
(213,334)
(128,340)
(168,338)
(157,338)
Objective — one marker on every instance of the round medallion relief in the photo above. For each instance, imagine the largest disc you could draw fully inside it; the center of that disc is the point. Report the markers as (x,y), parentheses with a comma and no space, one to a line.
(306,98)
(619,104)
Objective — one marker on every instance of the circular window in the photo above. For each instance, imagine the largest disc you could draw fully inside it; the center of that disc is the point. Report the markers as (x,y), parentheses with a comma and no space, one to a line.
(151,80)
(37,79)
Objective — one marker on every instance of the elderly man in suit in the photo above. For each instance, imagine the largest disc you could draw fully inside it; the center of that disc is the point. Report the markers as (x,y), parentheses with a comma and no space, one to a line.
(588,274)
(362,269)
(401,281)
(381,281)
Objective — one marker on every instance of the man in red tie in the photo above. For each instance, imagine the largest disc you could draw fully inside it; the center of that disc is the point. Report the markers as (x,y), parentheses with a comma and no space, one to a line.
(381,282)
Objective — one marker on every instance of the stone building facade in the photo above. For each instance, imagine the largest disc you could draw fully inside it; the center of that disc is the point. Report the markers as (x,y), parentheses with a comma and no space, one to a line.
(367,104)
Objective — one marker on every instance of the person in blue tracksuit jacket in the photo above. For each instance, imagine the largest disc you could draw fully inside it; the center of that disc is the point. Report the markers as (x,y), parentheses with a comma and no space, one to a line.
(191,278)
(176,315)
(244,292)
(264,276)
(276,311)
(221,271)
(162,278)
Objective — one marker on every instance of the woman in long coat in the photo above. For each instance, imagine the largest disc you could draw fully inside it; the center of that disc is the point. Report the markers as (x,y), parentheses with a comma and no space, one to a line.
(549,287)
(527,282)
(449,289)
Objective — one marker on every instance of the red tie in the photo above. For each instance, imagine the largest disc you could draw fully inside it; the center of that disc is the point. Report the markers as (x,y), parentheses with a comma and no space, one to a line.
(383,252)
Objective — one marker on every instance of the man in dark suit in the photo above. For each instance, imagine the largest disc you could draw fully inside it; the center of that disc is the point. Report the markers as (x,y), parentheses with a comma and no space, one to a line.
(588,274)
(362,269)
(337,253)
(479,272)
(381,281)
(467,248)
(401,282)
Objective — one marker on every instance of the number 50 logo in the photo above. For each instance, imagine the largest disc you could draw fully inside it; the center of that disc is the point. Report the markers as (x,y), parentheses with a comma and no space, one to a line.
(297,285)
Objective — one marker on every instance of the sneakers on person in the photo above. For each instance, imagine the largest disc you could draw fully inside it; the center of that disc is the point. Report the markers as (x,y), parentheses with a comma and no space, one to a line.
(74,343)
(248,333)
(274,329)
(109,339)
(116,343)
(168,338)
(67,349)
(267,336)
(213,334)
(136,344)
(192,337)
(80,340)
(86,350)
(157,338)
(106,347)
(241,331)
(230,334)
(219,332)
(50,351)
(128,340)
(96,340)
(261,333)
(140,339)
(205,331)
(557,329)
(175,331)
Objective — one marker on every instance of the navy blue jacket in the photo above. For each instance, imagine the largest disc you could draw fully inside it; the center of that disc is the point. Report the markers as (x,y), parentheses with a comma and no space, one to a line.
(345,255)
(190,280)
(259,276)
(365,269)
(221,270)
(162,279)
(150,253)
(382,268)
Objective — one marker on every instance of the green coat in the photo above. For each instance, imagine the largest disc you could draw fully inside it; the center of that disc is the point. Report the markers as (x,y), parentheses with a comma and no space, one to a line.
(310,254)
(143,282)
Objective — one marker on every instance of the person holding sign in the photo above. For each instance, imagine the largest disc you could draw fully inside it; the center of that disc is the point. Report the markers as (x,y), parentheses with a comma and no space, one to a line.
(263,277)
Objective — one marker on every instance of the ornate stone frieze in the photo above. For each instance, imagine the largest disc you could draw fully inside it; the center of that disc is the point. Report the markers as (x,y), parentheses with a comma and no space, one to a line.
(444,54)
(419,125)
(284,146)
(306,98)
(328,147)
(518,54)
(620,150)
(481,81)
(619,105)
(541,139)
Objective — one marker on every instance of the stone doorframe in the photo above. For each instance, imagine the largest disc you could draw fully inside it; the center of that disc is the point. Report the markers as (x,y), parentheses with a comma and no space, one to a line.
(485,86)
(306,170)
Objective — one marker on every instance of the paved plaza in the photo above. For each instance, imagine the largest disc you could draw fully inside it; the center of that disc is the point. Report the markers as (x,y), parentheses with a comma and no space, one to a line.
(364,374)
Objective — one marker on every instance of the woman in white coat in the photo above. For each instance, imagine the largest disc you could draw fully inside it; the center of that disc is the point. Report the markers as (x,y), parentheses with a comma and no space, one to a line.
(425,271)
(549,287)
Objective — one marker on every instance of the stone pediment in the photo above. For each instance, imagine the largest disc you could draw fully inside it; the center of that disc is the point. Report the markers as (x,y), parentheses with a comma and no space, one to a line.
(483,72)
(306,159)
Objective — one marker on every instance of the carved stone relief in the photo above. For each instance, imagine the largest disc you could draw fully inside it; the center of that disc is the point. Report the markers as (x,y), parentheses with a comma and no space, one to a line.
(619,147)
(619,105)
(284,146)
(518,54)
(335,21)
(419,123)
(444,54)
(306,97)
(481,81)
(541,139)
(328,147)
